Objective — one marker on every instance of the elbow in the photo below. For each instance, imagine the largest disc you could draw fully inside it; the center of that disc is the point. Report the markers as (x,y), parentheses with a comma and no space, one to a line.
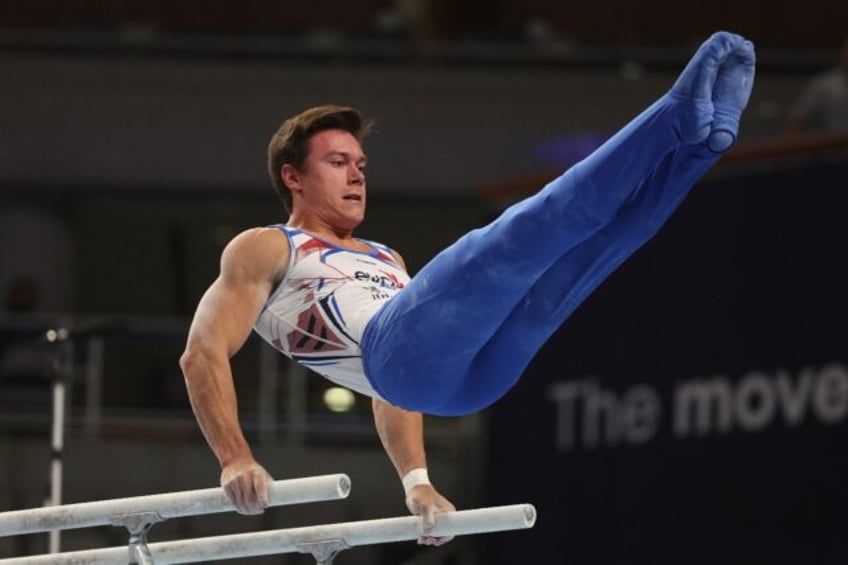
(201,359)
(378,410)
(379,407)
(191,359)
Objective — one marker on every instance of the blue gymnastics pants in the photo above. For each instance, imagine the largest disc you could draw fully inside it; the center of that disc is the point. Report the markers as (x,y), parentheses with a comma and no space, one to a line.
(459,336)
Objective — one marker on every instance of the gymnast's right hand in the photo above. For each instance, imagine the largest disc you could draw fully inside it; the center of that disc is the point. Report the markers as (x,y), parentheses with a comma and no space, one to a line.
(247,484)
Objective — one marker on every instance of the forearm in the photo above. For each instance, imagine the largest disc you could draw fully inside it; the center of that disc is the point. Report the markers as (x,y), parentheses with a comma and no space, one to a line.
(213,399)
(402,435)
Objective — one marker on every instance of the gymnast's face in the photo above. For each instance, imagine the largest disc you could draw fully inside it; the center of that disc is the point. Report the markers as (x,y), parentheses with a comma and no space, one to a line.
(331,185)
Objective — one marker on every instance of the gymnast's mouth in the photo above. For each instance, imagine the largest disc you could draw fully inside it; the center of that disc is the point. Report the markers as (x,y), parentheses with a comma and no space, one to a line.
(356,197)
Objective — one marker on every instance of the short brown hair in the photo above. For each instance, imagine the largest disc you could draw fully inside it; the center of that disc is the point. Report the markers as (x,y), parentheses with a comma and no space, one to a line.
(291,142)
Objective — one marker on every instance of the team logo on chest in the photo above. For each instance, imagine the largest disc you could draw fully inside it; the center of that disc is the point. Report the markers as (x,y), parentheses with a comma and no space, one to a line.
(383,279)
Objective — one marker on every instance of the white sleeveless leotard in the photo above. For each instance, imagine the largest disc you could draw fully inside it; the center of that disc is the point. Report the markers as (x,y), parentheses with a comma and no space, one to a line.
(318,312)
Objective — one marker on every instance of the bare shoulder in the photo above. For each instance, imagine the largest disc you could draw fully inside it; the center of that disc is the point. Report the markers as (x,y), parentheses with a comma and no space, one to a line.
(259,239)
(257,253)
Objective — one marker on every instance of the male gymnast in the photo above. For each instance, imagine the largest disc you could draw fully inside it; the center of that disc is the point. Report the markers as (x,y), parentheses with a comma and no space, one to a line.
(457,336)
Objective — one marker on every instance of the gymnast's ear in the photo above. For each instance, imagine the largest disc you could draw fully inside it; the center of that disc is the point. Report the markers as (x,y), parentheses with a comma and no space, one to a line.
(290,177)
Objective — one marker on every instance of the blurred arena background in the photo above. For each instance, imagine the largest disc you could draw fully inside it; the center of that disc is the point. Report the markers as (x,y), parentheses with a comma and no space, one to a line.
(693,411)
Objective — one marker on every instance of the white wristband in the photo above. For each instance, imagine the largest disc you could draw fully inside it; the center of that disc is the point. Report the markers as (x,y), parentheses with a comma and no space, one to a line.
(415,477)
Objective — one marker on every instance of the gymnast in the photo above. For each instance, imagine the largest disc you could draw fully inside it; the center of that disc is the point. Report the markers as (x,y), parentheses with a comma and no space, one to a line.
(457,336)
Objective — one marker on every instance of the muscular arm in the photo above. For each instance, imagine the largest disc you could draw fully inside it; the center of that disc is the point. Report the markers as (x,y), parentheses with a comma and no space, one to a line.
(402,435)
(222,323)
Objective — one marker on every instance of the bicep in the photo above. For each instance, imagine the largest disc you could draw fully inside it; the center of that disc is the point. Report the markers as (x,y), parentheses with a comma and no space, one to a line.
(225,316)
(229,308)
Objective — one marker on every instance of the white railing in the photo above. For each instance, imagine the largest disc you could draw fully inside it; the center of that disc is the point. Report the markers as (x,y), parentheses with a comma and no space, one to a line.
(138,514)
(168,505)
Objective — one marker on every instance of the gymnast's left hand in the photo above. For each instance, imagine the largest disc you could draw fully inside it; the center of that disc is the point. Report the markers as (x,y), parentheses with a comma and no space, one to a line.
(423,500)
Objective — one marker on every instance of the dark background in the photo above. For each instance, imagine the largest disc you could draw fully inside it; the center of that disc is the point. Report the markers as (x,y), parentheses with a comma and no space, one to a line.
(746,277)
(132,148)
